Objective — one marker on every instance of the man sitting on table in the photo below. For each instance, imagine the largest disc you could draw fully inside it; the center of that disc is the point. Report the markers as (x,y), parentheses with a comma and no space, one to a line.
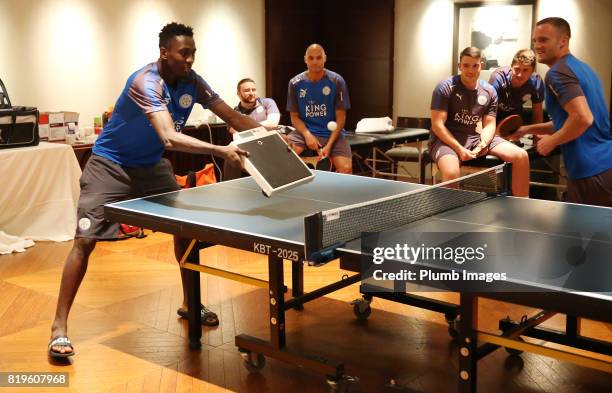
(463,111)
(517,84)
(127,160)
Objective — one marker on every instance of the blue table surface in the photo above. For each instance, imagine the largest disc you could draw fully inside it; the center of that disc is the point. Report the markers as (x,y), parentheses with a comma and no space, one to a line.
(239,206)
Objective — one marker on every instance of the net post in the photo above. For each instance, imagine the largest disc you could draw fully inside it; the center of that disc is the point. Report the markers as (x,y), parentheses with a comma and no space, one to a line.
(313,235)
(507,179)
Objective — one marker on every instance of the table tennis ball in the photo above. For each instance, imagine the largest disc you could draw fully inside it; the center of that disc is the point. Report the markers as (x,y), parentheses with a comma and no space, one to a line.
(332,125)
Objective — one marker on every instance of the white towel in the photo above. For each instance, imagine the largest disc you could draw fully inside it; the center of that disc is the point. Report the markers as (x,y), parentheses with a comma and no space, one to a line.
(9,243)
(375,124)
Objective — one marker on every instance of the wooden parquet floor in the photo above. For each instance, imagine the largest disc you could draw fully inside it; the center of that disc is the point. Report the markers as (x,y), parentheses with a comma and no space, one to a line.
(128,338)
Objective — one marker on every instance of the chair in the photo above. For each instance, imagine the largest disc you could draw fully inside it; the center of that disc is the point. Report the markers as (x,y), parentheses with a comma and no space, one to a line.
(410,152)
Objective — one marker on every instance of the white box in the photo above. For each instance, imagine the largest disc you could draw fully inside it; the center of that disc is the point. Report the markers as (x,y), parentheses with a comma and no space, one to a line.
(70,117)
(57,132)
(43,131)
(56,118)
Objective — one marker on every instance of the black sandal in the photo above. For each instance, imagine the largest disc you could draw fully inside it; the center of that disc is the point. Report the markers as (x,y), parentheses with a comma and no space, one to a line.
(208,317)
(61,341)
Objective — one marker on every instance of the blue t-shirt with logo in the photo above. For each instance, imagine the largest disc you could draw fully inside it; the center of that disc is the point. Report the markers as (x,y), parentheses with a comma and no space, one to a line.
(465,108)
(511,99)
(316,102)
(129,139)
(591,153)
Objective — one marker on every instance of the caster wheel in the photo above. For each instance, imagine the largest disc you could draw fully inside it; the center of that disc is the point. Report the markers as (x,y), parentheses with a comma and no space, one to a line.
(342,384)
(453,326)
(362,310)
(512,351)
(254,362)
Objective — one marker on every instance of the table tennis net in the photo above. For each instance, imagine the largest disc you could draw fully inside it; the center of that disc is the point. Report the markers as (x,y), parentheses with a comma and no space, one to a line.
(334,227)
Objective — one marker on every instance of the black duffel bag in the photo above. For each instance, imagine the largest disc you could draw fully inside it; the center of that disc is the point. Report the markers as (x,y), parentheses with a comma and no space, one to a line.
(18,124)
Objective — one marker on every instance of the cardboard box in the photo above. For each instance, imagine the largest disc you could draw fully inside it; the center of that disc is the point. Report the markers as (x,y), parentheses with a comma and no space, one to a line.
(58,124)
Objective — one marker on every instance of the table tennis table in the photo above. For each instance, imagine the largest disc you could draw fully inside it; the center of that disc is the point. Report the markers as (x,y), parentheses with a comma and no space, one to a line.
(236,214)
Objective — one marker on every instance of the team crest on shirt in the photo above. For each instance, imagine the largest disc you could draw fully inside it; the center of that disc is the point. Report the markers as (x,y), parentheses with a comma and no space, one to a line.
(482,99)
(185,101)
(302,93)
(526,97)
(326,90)
(84,223)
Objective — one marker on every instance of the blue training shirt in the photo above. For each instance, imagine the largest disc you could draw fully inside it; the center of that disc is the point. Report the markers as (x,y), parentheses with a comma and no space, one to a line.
(511,99)
(129,139)
(316,102)
(465,107)
(591,153)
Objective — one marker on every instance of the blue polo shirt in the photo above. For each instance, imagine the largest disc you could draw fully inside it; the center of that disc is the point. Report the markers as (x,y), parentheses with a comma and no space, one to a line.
(316,102)
(511,99)
(129,139)
(591,153)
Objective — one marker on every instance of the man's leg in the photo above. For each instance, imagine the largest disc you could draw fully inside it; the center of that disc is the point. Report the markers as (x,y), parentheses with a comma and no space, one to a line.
(343,164)
(341,155)
(449,167)
(180,246)
(520,166)
(208,317)
(74,271)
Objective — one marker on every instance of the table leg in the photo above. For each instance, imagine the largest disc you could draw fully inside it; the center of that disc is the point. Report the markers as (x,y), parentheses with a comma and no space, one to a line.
(297,280)
(468,344)
(194,299)
(276,347)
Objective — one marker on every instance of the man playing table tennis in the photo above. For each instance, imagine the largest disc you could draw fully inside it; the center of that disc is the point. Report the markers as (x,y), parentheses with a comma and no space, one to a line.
(580,123)
(517,84)
(127,159)
(463,112)
(318,100)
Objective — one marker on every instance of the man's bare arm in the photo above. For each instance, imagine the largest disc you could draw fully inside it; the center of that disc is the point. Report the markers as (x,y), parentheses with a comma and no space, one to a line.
(235,120)
(164,127)
(537,113)
(438,118)
(340,121)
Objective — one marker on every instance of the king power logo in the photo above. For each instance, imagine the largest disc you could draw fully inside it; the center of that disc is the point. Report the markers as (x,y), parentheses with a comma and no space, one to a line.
(316,110)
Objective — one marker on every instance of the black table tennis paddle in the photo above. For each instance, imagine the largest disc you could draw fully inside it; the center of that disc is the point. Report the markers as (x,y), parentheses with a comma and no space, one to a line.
(324,164)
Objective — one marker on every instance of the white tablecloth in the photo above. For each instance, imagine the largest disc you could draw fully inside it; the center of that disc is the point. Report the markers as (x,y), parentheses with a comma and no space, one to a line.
(39,191)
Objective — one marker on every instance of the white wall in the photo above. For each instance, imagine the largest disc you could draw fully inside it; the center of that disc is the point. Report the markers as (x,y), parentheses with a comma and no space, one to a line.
(424,42)
(76,55)
(423,52)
